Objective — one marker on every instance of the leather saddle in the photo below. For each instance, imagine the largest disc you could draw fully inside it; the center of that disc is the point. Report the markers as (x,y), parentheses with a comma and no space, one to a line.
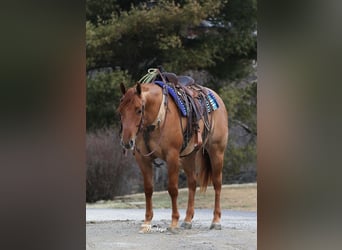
(186,84)
(182,80)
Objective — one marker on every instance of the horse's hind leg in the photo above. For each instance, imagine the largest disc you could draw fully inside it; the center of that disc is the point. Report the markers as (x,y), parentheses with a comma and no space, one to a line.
(216,160)
(173,171)
(189,169)
(147,173)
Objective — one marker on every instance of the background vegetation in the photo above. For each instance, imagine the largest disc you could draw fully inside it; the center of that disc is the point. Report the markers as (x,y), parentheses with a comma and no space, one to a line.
(213,41)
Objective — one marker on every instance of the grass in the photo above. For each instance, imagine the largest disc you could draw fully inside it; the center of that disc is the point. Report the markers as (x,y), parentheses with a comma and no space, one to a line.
(241,197)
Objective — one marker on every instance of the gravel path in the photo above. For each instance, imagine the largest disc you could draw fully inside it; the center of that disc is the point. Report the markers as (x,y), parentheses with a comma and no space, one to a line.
(119,229)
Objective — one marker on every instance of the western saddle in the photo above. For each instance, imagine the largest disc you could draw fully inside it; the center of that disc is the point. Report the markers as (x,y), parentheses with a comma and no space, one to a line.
(182,80)
(193,96)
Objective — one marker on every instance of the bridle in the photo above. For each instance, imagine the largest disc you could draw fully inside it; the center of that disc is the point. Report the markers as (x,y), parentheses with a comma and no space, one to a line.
(161,117)
(141,123)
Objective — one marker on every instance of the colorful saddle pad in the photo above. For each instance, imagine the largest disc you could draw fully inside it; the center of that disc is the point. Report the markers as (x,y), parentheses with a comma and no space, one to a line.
(211,102)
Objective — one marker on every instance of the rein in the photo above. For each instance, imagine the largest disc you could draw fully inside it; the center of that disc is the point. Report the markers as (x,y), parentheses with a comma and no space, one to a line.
(162,114)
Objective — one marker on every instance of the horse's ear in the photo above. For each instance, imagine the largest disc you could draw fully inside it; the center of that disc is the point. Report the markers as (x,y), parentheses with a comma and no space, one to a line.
(138,88)
(123,88)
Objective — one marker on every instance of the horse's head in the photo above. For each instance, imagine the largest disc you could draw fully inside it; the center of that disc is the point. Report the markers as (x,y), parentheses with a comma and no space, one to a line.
(131,113)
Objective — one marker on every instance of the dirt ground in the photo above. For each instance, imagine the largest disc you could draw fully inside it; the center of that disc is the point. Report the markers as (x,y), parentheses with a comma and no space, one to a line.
(109,227)
(124,235)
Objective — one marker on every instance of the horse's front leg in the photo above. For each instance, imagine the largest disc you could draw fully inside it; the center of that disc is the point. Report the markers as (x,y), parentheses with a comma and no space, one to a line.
(173,172)
(147,173)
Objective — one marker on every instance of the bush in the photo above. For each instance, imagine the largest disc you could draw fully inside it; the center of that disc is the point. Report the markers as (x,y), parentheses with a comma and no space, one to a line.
(109,172)
(239,164)
(240,99)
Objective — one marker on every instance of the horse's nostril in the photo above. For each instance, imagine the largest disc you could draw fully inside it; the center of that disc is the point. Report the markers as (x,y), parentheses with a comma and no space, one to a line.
(128,145)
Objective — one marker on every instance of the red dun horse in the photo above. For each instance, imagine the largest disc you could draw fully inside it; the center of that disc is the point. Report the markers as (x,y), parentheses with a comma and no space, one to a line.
(143,108)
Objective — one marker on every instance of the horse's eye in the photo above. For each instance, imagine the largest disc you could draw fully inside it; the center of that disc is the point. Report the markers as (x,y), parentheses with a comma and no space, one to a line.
(139,111)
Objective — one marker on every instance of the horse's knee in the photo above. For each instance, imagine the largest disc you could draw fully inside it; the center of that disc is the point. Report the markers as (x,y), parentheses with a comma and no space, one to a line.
(148,192)
(173,191)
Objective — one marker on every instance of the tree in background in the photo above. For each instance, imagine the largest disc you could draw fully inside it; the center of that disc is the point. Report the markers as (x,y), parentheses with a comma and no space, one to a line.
(214,41)
(103,97)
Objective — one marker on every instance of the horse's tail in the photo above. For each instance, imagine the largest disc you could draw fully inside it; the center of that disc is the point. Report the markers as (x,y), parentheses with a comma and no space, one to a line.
(206,172)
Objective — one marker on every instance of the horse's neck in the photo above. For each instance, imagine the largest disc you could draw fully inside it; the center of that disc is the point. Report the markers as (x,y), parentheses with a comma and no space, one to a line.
(152,98)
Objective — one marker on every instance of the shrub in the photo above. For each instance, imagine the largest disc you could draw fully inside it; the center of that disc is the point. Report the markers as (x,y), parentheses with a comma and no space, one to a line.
(109,172)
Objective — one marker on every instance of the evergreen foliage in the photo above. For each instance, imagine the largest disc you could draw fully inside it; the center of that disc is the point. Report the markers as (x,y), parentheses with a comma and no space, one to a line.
(103,98)
(125,38)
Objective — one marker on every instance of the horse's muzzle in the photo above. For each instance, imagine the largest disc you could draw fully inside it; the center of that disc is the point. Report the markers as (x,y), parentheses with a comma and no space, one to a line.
(129,145)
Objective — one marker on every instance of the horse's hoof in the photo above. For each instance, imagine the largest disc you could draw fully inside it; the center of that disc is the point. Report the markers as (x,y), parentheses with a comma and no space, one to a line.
(186,225)
(216,226)
(145,228)
(173,230)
